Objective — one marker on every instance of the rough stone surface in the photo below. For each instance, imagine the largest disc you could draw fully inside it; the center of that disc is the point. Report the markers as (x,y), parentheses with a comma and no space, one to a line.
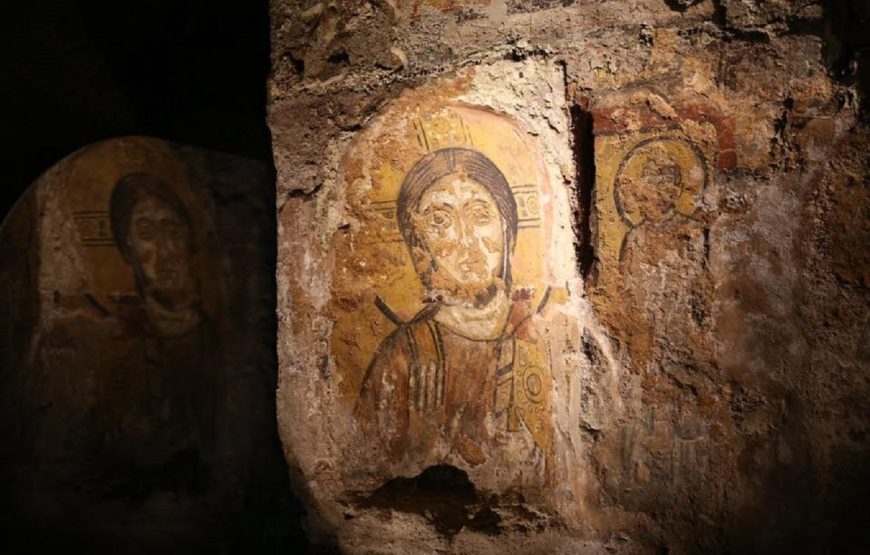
(137,353)
(706,375)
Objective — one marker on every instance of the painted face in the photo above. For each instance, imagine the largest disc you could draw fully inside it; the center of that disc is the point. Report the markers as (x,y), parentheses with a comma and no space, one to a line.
(651,197)
(460,227)
(160,243)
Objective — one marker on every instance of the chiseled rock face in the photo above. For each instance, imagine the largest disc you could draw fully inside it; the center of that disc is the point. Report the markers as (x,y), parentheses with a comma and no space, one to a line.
(136,349)
(436,318)
(567,277)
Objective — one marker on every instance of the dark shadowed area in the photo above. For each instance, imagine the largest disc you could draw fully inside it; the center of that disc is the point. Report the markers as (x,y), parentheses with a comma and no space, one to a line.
(194,72)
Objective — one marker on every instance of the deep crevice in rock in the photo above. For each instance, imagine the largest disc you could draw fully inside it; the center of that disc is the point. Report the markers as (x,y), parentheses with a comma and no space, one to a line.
(444,495)
(584,162)
(681,5)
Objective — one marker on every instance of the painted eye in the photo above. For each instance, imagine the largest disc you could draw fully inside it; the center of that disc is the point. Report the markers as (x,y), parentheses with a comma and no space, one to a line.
(440,219)
(174,231)
(482,215)
(144,230)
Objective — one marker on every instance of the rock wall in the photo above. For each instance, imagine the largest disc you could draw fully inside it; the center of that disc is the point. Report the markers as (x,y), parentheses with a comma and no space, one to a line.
(573,276)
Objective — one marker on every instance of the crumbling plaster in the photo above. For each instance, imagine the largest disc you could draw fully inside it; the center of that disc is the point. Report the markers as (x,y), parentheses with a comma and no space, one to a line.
(722,437)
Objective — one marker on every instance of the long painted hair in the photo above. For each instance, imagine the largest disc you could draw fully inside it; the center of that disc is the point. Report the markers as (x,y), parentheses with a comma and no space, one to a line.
(129,190)
(477,167)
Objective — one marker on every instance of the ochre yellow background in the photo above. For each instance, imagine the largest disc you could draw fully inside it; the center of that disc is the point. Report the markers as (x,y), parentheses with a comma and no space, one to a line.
(87,187)
(370,257)
(627,156)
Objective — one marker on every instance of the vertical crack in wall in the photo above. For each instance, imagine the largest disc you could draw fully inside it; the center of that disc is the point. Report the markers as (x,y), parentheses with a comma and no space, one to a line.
(584,162)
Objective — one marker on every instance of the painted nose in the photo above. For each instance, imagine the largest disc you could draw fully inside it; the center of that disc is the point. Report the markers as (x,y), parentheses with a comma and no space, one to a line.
(168,247)
(468,234)
(165,244)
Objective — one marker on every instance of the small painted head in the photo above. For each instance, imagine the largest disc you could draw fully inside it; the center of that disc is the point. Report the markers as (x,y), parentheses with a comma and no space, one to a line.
(650,196)
(458,217)
(153,232)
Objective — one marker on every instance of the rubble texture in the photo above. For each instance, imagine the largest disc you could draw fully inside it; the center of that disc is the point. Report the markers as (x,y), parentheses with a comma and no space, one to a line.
(704,183)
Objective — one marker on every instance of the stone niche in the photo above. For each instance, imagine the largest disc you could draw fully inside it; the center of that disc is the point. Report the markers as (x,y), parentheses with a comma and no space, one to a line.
(444,343)
(137,351)
(570,276)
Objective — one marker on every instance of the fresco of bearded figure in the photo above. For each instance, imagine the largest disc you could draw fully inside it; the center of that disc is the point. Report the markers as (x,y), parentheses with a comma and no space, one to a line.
(446,381)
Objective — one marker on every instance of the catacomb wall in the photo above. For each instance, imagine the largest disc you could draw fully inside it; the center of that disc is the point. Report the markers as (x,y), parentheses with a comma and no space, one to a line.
(138,357)
(572,275)
(552,276)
